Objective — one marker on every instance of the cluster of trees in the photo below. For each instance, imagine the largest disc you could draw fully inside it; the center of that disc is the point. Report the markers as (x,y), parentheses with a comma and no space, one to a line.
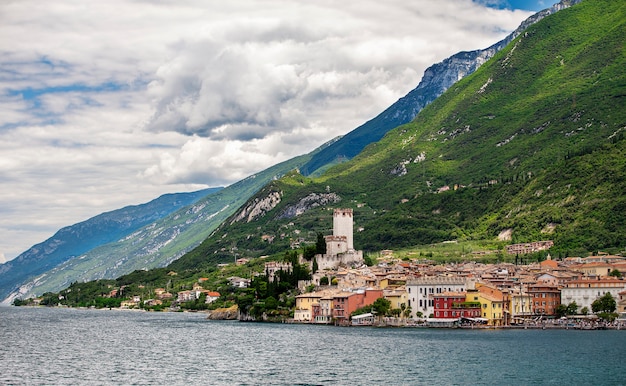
(603,306)
(382,307)
(275,298)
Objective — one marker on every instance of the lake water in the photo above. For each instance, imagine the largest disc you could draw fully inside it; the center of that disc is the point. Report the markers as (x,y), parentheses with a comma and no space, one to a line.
(68,346)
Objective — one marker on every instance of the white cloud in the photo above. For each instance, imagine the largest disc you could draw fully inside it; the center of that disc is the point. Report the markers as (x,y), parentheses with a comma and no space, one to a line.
(113,103)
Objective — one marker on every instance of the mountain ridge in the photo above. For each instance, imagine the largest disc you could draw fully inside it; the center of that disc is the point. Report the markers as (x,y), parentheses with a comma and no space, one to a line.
(76,239)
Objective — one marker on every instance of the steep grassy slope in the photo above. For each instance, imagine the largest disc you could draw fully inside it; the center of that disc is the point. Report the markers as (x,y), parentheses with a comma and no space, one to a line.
(435,81)
(533,120)
(533,142)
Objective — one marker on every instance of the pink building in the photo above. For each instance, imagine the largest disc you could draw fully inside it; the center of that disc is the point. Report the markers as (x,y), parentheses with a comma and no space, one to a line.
(346,303)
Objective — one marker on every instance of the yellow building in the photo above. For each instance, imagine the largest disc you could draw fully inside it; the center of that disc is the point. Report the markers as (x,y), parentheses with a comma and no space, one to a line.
(594,269)
(397,297)
(492,301)
(304,306)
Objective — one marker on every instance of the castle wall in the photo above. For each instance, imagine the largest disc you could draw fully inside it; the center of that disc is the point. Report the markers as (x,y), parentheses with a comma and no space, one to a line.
(336,244)
(347,259)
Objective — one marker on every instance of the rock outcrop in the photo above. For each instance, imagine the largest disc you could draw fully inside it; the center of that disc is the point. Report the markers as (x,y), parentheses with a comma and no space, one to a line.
(230,313)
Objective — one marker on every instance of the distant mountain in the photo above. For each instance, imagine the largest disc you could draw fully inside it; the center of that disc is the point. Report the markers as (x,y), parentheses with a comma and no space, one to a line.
(529,147)
(436,79)
(76,239)
(156,244)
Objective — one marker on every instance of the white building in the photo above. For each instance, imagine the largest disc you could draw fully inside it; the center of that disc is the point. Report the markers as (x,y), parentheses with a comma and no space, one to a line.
(584,292)
(421,290)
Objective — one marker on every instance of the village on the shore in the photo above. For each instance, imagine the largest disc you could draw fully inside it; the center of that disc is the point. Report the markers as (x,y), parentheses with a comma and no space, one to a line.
(546,294)
(574,292)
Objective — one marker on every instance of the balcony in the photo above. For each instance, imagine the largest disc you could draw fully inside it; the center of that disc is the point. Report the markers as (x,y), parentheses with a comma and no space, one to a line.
(465,305)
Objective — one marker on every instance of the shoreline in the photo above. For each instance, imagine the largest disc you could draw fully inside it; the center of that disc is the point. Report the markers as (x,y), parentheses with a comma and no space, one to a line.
(579,327)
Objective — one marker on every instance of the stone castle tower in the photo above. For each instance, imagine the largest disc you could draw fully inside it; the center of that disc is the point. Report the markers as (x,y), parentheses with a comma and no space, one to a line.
(342,226)
(339,245)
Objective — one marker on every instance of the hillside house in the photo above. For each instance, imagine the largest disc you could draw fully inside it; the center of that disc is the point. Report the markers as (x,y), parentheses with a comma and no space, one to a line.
(525,248)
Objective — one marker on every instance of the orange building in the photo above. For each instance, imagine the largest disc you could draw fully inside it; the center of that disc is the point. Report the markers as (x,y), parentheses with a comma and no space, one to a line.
(545,298)
(345,303)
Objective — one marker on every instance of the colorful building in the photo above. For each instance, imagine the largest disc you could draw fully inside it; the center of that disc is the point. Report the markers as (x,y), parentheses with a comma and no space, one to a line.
(494,306)
(345,303)
(421,291)
(545,298)
(454,305)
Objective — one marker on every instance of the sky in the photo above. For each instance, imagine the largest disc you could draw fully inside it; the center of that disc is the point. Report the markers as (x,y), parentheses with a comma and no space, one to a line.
(114,103)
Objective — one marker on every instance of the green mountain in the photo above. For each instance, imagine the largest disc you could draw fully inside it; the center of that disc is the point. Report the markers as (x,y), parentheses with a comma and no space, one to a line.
(530,145)
(156,244)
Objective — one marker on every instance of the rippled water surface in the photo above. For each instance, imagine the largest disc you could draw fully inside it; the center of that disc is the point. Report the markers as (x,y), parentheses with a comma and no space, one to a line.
(65,346)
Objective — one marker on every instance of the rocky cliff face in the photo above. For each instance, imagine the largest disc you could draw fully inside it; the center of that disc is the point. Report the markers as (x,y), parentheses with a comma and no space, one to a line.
(231,313)
(311,201)
(435,81)
(258,207)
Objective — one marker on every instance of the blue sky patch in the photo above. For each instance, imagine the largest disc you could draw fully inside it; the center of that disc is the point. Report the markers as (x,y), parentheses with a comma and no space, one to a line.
(532,5)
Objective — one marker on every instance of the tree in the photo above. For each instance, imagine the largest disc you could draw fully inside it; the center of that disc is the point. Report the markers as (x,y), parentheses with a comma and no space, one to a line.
(572,308)
(615,273)
(271,303)
(561,310)
(315,265)
(324,280)
(369,260)
(381,306)
(584,310)
(605,303)
(309,252)
(320,245)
